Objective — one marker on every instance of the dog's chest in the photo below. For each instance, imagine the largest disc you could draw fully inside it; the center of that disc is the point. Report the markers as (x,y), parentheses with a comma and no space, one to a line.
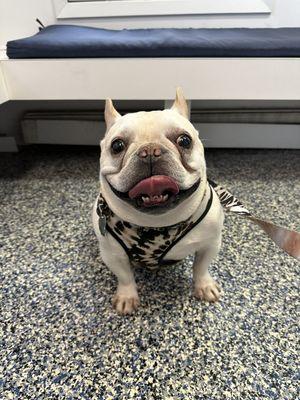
(147,246)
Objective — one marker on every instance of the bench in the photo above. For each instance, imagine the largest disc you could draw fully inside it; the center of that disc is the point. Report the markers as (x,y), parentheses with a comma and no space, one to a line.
(219,68)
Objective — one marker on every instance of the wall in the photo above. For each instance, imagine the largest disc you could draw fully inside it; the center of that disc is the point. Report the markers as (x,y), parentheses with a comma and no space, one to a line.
(284,13)
(17,18)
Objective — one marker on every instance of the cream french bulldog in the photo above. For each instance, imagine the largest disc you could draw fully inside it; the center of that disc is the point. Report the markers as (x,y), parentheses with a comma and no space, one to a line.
(155,205)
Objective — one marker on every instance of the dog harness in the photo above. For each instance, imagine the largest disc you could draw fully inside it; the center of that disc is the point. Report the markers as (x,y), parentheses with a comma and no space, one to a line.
(147,246)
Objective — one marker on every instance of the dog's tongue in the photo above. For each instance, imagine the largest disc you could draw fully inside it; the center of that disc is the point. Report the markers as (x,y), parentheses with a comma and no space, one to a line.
(156,185)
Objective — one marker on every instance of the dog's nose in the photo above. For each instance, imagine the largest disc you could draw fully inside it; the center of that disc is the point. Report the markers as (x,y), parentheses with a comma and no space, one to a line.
(150,150)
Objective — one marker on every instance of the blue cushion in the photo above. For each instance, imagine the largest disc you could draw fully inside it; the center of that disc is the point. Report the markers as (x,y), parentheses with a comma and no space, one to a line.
(63,41)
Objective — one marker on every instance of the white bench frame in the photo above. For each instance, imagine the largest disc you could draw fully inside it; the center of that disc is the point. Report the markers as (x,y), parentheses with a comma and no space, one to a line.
(150,78)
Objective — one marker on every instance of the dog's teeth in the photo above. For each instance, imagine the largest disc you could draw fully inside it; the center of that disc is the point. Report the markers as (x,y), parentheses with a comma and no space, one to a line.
(158,199)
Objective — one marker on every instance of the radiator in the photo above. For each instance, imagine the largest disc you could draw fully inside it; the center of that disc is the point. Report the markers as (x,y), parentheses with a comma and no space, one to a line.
(217,128)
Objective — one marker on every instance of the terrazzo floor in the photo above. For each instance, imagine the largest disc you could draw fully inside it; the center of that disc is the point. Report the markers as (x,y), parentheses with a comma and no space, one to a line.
(61,339)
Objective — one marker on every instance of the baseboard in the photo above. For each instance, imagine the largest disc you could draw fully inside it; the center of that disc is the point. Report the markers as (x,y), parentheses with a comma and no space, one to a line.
(8,144)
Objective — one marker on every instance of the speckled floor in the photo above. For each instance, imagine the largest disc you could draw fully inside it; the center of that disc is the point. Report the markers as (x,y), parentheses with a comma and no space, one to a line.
(62,340)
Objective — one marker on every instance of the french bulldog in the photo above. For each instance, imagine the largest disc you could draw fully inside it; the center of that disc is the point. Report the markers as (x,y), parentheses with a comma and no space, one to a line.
(155,205)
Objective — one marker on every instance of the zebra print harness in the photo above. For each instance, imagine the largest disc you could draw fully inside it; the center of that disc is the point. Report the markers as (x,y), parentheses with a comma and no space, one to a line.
(228,201)
(146,246)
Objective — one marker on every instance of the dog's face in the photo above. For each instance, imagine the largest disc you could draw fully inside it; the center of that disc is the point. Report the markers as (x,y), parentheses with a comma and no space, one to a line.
(152,160)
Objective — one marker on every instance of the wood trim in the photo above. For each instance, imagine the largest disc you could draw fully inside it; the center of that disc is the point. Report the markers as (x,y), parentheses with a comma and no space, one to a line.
(115,8)
(3,89)
(8,144)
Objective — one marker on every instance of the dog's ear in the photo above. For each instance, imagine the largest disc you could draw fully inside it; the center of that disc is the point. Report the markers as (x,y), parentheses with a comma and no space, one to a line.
(180,104)
(111,115)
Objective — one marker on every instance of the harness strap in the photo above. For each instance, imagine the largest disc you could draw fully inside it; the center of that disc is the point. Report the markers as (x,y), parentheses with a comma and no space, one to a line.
(202,216)
(119,240)
(286,239)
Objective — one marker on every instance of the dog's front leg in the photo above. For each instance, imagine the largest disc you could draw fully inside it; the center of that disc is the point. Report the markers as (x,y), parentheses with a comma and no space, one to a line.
(205,288)
(126,299)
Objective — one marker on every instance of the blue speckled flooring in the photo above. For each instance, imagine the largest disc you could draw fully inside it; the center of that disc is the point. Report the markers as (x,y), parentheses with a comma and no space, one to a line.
(60,338)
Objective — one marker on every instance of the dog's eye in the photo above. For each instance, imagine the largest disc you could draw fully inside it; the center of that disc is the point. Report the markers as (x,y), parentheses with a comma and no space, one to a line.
(184,141)
(117,146)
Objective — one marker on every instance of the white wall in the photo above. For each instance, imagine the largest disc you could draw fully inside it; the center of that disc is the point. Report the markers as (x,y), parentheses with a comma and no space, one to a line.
(17,18)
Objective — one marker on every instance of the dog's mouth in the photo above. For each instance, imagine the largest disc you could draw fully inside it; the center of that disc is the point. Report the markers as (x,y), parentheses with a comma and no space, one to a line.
(155,192)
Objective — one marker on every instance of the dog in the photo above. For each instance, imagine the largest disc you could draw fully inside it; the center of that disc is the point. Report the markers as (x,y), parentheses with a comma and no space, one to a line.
(155,205)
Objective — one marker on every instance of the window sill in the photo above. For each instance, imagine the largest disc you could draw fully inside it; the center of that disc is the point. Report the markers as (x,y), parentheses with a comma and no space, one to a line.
(121,8)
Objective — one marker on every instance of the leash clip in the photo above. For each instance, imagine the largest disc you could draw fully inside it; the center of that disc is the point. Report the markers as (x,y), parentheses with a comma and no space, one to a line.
(102,225)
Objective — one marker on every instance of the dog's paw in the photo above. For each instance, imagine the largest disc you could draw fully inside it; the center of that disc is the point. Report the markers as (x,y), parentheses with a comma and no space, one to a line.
(207,290)
(125,303)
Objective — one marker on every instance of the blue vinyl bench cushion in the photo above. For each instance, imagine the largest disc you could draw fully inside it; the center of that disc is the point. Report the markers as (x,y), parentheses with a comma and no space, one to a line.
(69,41)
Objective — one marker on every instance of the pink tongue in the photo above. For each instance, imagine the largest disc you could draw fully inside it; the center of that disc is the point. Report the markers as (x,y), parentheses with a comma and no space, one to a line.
(154,186)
